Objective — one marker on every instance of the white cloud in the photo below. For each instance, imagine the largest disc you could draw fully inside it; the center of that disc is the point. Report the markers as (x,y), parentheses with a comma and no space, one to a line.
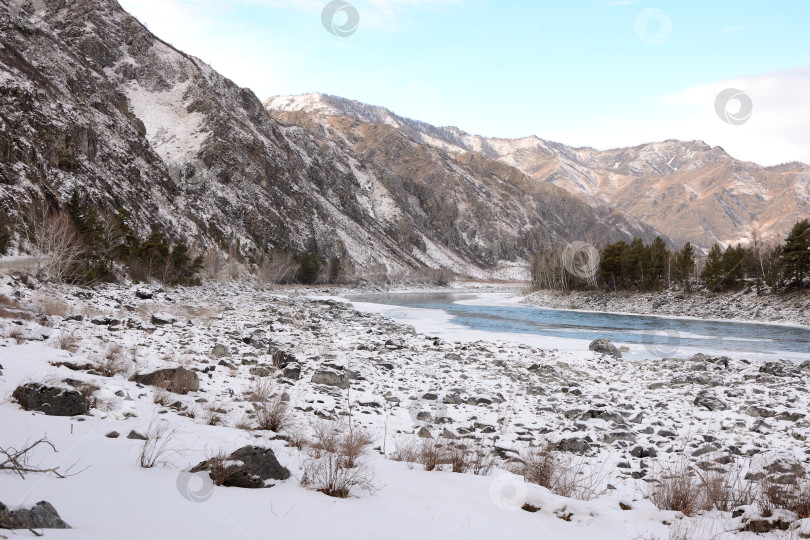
(778,129)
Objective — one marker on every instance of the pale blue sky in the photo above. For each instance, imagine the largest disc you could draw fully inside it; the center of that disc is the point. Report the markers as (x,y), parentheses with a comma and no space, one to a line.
(578,72)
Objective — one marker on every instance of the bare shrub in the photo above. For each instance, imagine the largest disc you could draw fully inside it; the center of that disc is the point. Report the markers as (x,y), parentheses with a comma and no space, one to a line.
(161,396)
(335,463)
(17,333)
(272,411)
(114,362)
(19,461)
(561,473)
(432,455)
(354,444)
(55,242)
(725,489)
(273,415)
(677,490)
(158,445)
(406,449)
(221,469)
(296,435)
(211,414)
(793,495)
(687,490)
(68,341)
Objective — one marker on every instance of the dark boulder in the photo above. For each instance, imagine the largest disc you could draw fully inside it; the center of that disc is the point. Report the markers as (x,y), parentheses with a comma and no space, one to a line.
(51,400)
(248,467)
(41,516)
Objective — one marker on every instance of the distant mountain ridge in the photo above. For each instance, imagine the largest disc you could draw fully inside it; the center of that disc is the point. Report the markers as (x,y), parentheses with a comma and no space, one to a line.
(688,190)
(90,100)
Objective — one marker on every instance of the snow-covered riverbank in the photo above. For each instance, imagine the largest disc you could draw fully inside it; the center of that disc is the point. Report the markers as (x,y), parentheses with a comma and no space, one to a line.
(793,308)
(624,423)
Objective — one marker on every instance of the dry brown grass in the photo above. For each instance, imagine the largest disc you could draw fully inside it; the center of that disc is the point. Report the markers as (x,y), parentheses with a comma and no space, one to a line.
(52,307)
(68,341)
(271,410)
(17,333)
(562,473)
(793,496)
(115,361)
(686,489)
(159,443)
(161,396)
(335,463)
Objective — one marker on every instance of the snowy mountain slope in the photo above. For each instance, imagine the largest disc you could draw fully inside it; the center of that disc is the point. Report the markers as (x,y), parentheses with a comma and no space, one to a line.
(686,189)
(91,100)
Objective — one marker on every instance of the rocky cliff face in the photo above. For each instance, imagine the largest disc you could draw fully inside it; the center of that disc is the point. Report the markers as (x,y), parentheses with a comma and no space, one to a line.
(91,100)
(688,190)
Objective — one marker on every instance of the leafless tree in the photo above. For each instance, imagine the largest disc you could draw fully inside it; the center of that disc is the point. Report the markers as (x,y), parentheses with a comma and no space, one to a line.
(54,240)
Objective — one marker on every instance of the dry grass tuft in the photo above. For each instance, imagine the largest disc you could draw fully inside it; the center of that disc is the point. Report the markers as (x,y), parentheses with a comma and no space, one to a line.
(562,473)
(335,464)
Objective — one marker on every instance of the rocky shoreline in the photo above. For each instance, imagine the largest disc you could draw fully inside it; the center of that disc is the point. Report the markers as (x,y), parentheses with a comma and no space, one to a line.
(791,308)
(633,421)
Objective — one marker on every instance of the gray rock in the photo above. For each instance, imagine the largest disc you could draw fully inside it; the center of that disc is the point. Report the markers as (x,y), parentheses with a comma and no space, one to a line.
(144,294)
(424,433)
(258,340)
(261,371)
(178,380)
(574,445)
(292,371)
(447,434)
(135,436)
(619,436)
(760,412)
(711,402)
(604,346)
(781,369)
(282,358)
(51,400)
(41,516)
(220,351)
(161,319)
(330,377)
(113,435)
(248,467)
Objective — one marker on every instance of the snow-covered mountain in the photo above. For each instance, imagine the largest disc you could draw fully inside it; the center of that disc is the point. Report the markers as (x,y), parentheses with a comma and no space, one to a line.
(90,99)
(686,189)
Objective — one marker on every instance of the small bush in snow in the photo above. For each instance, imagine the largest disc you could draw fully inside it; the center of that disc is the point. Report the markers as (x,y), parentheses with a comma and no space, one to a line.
(335,463)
